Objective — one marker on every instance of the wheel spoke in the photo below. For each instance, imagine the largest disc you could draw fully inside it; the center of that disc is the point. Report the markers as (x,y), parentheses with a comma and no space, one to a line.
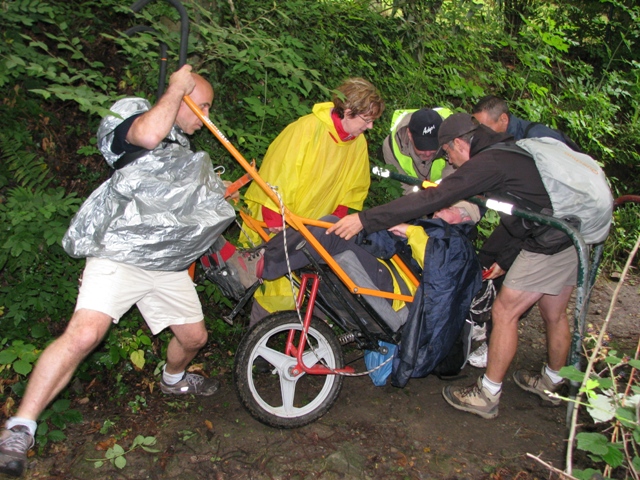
(311,357)
(288,391)
(275,358)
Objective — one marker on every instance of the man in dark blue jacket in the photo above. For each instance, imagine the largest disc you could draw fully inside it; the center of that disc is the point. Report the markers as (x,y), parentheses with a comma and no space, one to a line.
(494,112)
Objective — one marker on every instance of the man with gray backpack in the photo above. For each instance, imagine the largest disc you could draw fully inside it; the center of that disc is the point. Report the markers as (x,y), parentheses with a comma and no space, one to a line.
(545,269)
(494,112)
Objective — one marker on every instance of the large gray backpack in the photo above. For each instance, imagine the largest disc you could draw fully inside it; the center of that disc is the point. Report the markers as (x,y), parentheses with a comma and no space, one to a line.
(576,184)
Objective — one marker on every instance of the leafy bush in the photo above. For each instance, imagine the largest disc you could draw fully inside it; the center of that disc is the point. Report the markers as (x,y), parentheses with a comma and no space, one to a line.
(612,396)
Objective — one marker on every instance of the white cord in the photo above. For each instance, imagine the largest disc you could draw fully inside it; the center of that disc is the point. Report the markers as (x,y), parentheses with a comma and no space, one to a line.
(294,296)
(490,291)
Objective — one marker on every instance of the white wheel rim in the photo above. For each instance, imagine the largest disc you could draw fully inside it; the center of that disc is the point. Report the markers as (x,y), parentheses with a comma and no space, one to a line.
(282,363)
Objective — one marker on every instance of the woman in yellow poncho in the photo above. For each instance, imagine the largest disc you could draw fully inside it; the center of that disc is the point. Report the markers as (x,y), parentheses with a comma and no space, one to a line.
(320,166)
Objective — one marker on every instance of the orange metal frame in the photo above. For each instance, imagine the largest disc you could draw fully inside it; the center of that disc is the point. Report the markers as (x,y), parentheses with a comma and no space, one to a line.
(297,222)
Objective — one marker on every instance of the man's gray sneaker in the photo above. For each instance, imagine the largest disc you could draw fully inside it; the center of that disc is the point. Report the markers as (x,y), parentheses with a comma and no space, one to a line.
(14,445)
(193,384)
(538,383)
(473,399)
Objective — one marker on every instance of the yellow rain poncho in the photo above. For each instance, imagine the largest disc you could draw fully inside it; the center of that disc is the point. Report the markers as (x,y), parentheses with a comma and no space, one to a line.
(315,172)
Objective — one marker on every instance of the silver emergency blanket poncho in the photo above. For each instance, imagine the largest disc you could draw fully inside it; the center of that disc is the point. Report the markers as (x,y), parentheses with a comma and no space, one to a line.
(160,212)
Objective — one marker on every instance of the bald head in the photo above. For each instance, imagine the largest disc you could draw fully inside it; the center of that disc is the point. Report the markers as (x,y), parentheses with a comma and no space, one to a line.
(202,95)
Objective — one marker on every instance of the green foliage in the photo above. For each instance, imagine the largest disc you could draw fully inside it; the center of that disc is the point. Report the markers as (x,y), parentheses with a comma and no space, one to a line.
(622,237)
(212,293)
(137,404)
(487,224)
(51,50)
(116,454)
(612,398)
(41,277)
(19,357)
(24,214)
(54,420)
(127,343)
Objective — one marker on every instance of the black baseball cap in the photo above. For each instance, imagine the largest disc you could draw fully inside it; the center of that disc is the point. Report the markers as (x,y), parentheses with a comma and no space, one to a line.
(424,125)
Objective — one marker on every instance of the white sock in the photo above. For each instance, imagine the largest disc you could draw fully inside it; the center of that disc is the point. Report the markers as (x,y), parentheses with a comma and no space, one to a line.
(493,387)
(171,378)
(30,424)
(553,375)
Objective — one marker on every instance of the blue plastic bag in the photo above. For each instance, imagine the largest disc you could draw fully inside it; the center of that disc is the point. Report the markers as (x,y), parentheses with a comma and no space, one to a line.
(374,359)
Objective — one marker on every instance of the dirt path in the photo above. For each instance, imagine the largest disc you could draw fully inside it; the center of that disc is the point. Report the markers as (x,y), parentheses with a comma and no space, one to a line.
(371,432)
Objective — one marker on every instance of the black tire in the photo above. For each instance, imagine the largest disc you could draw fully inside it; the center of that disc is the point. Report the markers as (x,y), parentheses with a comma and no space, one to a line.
(262,372)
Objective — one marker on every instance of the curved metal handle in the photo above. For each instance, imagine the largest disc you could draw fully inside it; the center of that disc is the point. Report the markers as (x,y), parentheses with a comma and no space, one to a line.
(184,26)
(163,55)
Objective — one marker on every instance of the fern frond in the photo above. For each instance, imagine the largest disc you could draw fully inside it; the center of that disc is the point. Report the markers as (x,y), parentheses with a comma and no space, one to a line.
(23,168)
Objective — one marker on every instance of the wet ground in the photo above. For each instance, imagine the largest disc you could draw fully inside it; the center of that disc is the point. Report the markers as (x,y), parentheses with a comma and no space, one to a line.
(371,432)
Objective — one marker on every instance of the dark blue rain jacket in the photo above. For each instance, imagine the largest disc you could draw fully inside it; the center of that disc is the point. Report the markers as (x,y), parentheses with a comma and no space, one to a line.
(451,277)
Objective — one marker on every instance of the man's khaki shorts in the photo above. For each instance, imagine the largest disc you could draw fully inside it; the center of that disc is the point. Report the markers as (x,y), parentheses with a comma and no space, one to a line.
(163,298)
(548,274)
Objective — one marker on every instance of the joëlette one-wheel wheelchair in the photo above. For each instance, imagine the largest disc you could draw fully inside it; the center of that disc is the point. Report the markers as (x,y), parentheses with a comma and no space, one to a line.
(306,356)
(289,367)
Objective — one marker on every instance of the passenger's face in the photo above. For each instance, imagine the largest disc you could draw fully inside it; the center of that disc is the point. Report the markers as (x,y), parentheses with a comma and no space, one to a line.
(202,96)
(357,124)
(451,215)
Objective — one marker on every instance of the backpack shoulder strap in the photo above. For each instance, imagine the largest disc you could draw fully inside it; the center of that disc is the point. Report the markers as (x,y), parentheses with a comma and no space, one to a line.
(131,157)
(514,148)
(507,147)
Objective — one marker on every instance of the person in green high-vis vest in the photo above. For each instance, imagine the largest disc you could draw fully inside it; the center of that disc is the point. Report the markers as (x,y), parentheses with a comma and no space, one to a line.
(412,144)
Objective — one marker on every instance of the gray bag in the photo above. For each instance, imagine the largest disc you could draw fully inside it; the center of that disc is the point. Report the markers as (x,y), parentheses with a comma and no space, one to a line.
(576,184)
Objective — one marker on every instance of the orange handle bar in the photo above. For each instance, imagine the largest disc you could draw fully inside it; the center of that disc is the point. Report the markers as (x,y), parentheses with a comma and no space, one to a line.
(292,219)
(238,184)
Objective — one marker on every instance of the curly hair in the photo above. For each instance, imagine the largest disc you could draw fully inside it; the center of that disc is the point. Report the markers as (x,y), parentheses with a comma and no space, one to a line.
(359,96)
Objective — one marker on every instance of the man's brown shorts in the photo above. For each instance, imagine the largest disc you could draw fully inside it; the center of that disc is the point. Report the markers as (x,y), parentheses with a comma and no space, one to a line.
(548,274)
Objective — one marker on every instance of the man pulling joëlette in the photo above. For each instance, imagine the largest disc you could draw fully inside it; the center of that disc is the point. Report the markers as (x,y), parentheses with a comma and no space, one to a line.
(160,210)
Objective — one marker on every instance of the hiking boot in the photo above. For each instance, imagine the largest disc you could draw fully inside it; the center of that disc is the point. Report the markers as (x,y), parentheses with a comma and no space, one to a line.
(538,383)
(478,358)
(14,445)
(248,264)
(473,399)
(191,383)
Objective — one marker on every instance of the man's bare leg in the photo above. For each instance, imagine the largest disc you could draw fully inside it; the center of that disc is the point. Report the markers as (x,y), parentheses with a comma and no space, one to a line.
(507,309)
(187,341)
(553,309)
(58,362)
(183,347)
